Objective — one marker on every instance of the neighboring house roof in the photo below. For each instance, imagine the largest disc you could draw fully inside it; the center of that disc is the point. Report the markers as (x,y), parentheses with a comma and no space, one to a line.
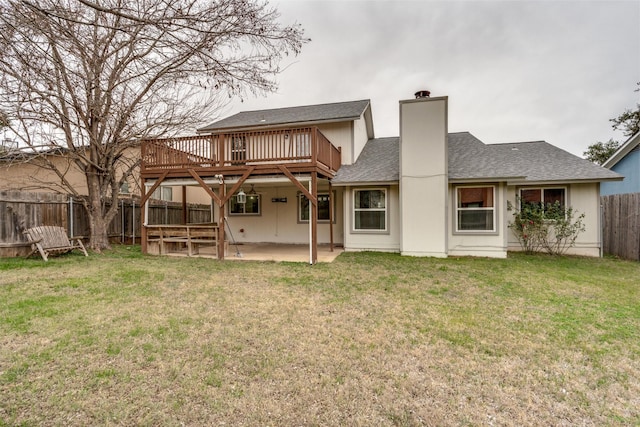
(309,114)
(472,160)
(628,146)
(28,154)
(378,162)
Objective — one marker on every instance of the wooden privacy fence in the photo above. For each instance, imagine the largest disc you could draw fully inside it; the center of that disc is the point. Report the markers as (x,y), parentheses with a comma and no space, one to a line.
(621,225)
(22,210)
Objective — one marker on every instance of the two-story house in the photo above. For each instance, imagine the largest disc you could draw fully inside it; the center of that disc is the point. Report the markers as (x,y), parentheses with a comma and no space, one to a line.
(317,174)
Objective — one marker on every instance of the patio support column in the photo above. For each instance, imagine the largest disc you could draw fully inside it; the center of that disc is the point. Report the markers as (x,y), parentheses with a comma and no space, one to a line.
(330,217)
(185,214)
(314,218)
(144,199)
(221,221)
(143,219)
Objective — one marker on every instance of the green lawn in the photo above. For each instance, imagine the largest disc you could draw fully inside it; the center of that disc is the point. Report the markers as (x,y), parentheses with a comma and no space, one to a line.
(371,339)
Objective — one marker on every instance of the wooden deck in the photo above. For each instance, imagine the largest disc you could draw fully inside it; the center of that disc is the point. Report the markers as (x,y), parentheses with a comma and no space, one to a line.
(300,150)
(291,152)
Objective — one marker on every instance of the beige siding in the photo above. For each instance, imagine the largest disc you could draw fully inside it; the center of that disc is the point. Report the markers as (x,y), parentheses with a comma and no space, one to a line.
(360,136)
(423,177)
(31,177)
(341,136)
(585,199)
(388,241)
(278,222)
(489,244)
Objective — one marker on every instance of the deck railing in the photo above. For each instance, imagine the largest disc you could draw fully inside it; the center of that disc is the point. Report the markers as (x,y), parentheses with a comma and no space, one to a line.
(251,148)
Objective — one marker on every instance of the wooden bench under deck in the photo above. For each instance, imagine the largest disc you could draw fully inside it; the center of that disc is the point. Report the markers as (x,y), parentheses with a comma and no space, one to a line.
(165,239)
(49,239)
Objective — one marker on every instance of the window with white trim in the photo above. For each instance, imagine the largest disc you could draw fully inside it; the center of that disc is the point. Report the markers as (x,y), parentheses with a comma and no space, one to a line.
(370,210)
(163,193)
(475,209)
(323,207)
(251,207)
(551,200)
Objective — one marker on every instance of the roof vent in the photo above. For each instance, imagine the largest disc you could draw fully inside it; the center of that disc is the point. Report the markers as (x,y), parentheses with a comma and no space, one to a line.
(422,94)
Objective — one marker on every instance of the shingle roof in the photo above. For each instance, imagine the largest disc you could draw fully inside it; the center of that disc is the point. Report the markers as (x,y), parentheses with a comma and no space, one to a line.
(378,162)
(471,159)
(541,161)
(338,111)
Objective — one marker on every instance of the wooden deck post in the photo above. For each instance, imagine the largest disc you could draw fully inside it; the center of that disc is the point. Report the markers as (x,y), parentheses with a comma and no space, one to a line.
(221,221)
(185,213)
(330,217)
(314,218)
(143,220)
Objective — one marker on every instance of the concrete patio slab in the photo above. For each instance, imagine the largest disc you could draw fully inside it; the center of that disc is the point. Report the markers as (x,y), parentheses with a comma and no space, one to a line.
(268,252)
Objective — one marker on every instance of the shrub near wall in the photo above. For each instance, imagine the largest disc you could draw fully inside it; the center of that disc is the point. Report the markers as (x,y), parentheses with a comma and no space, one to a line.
(547,228)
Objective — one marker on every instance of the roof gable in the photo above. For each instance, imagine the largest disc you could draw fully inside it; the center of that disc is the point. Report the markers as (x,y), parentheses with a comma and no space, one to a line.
(378,162)
(623,150)
(308,114)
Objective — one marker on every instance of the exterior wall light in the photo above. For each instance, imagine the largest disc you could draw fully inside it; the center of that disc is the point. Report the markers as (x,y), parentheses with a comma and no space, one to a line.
(241,197)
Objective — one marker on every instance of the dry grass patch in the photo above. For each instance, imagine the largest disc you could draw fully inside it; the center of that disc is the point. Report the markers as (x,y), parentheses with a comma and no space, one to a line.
(371,339)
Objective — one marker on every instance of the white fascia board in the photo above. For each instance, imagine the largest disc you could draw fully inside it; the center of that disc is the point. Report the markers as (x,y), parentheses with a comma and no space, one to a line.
(364,184)
(486,179)
(563,182)
(622,151)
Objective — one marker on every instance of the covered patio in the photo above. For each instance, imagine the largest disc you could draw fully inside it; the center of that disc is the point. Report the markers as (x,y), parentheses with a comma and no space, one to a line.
(221,163)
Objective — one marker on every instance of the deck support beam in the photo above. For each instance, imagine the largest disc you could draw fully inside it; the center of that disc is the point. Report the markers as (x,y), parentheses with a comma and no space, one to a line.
(314,218)
(144,197)
(185,213)
(330,217)
(221,220)
(221,200)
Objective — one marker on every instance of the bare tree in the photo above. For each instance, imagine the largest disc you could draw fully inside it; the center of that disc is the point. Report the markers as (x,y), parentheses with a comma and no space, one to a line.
(91,79)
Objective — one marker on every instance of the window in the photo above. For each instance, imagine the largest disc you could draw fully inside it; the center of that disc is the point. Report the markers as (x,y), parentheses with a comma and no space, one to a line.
(551,200)
(475,209)
(251,207)
(370,210)
(323,207)
(163,193)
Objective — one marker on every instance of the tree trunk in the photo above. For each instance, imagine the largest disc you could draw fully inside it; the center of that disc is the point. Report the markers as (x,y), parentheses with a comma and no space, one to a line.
(99,228)
(99,210)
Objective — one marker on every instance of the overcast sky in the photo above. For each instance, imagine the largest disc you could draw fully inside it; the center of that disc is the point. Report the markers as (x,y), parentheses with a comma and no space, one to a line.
(513,70)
